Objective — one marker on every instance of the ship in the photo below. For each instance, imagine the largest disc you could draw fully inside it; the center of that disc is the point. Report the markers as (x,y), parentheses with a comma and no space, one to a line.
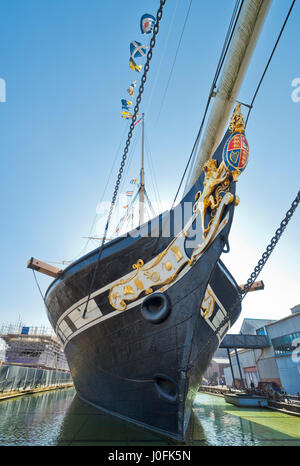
(139,341)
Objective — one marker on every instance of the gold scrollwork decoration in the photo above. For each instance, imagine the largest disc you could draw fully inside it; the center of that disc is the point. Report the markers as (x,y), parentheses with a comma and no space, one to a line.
(164,269)
(138,265)
(177,252)
(237,123)
(208,304)
(216,181)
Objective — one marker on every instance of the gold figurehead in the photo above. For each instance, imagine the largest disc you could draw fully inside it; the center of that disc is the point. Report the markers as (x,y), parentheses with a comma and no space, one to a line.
(237,123)
(217,178)
(210,197)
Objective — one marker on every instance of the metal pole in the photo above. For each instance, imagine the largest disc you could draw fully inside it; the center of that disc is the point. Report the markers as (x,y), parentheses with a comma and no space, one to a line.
(142,182)
(228,352)
(240,371)
(34,379)
(24,386)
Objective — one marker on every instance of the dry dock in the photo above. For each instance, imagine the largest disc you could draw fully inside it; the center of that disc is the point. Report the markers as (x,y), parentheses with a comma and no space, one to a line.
(58,417)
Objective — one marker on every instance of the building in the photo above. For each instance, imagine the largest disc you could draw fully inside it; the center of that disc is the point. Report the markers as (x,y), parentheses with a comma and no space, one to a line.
(285,340)
(278,364)
(215,373)
(31,347)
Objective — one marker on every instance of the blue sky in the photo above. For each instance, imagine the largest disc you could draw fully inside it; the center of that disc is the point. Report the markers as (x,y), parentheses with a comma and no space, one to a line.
(65,64)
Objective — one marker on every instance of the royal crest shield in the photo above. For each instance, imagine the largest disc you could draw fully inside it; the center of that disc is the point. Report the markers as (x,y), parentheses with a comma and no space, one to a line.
(236,152)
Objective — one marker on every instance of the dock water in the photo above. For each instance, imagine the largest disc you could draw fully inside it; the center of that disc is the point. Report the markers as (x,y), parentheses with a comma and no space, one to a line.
(58,417)
(291,405)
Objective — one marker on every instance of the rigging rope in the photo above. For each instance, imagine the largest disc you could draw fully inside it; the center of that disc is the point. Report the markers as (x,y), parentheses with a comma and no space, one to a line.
(39,288)
(152,173)
(295,203)
(271,246)
(228,38)
(269,61)
(95,217)
(174,61)
(265,256)
(220,64)
(150,205)
(161,58)
(136,109)
(230,31)
(130,207)
(130,158)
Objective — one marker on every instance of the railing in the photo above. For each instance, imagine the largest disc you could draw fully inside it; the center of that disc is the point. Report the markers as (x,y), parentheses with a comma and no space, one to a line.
(19,378)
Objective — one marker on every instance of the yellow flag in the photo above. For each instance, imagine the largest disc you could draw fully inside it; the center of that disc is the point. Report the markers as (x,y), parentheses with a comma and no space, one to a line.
(127,115)
(134,66)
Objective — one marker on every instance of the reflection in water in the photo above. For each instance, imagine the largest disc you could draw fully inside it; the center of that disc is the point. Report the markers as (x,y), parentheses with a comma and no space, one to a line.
(85,424)
(34,419)
(60,418)
(225,424)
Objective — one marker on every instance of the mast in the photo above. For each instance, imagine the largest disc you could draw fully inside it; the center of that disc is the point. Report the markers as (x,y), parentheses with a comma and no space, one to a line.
(246,33)
(142,181)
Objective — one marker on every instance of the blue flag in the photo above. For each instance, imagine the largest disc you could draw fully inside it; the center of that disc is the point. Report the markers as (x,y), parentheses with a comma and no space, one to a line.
(131,88)
(126,102)
(147,23)
(137,49)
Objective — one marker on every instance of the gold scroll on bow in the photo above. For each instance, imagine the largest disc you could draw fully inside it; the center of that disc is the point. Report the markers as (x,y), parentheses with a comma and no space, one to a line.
(163,269)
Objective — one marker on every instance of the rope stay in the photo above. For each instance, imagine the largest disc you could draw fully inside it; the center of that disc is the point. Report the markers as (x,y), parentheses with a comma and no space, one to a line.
(39,288)
(268,63)
(262,261)
(152,173)
(269,249)
(227,41)
(174,61)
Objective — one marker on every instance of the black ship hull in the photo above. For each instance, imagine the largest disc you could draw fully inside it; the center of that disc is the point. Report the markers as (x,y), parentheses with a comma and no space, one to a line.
(140,351)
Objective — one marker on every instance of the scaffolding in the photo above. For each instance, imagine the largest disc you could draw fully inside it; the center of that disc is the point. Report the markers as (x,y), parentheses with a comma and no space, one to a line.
(31,346)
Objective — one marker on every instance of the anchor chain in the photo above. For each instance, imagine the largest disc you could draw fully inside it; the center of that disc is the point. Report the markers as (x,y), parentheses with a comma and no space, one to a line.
(127,144)
(270,247)
(263,260)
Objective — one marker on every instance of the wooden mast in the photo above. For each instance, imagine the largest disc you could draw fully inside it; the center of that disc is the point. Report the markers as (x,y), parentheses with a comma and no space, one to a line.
(142,181)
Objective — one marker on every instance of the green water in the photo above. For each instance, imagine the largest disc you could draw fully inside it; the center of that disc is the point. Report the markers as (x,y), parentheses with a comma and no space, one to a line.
(60,418)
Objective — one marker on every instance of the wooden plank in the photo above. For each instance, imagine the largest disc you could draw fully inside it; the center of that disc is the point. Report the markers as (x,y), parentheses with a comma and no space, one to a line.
(43,267)
(255,286)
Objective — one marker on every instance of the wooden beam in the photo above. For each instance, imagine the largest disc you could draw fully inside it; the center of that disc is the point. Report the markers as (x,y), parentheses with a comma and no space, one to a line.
(43,267)
(255,286)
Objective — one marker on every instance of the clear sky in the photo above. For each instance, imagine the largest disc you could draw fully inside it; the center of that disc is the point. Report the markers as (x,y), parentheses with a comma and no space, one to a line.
(65,64)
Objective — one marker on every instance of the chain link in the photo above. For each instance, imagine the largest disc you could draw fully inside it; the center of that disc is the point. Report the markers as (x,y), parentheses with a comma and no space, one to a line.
(127,144)
(271,246)
(136,109)
(261,262)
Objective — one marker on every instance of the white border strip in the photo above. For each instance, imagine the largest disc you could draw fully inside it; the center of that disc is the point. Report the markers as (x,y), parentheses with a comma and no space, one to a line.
(90,322)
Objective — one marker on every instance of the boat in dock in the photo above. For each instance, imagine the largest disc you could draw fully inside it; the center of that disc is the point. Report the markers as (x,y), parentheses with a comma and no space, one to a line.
(246,400)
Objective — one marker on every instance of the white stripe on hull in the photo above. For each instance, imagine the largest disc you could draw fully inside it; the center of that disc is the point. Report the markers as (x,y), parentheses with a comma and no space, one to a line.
(94,314)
